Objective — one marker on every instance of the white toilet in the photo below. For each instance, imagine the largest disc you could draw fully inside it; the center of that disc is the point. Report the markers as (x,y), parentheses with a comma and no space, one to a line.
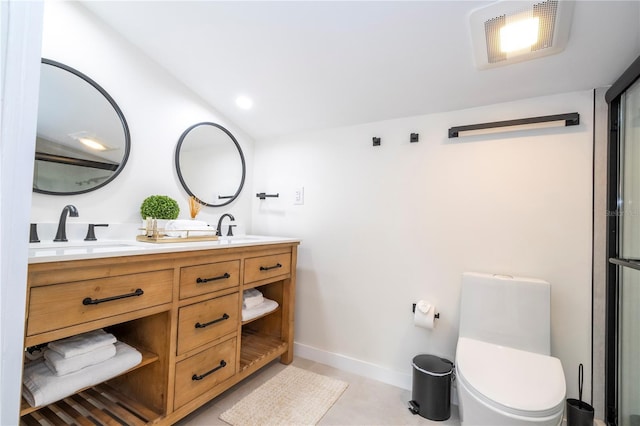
(504,373)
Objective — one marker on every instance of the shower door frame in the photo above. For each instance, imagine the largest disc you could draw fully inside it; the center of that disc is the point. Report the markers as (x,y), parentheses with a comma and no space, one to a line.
(614,96)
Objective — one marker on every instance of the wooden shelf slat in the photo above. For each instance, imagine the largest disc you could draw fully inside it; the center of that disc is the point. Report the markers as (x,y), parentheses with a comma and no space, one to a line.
(96,412)
(139,409)
(113,408)
(256,346)
(52,417)
(99,405)
(29,420)
(78,417)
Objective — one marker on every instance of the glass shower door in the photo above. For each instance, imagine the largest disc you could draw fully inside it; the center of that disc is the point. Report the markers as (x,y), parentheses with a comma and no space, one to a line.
(629,349)
(628,334)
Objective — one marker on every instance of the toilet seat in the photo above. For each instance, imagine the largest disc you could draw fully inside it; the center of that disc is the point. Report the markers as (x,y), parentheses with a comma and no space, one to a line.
(521,383)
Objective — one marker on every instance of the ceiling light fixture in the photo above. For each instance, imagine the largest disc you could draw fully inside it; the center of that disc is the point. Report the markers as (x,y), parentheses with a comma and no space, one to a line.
(90,140)
(244,102)
(92,143)
(512,31)
(518,35)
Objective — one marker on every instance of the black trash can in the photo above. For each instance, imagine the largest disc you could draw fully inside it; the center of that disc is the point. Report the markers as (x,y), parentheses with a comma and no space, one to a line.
(431,392)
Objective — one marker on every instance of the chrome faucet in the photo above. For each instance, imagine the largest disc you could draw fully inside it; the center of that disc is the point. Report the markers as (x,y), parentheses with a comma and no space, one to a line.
(219,227)
(61,234)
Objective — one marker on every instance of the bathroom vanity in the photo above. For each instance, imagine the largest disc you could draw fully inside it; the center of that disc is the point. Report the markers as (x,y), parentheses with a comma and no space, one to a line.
(180,305)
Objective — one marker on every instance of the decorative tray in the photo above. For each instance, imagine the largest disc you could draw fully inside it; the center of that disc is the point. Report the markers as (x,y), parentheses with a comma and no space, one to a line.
(161,237)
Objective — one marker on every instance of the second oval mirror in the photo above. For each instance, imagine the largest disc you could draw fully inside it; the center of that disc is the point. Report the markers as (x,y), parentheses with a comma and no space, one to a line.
(210,164)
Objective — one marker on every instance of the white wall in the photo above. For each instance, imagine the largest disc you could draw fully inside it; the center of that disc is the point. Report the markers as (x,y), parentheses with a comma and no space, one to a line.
(157,108)
(383,227)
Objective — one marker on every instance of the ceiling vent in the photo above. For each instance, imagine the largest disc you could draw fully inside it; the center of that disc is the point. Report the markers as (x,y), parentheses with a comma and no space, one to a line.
(512,31)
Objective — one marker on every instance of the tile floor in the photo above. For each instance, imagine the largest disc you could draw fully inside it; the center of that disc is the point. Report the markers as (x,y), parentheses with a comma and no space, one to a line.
(365,402)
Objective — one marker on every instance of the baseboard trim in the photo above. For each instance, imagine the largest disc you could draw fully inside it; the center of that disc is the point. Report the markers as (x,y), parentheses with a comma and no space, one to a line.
(353,365)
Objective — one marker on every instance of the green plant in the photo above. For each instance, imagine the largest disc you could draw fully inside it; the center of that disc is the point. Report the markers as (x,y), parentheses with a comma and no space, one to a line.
(159,207)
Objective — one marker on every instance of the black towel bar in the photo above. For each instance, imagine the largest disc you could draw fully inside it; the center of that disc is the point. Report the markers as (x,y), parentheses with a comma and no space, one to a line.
(263,195)
(570,119)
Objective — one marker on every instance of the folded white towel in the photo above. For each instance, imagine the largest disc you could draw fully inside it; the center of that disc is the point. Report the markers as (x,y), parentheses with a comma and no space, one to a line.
(265,307)
(41,386)
(82,343)
(251,298)
(61,365)
(196,228)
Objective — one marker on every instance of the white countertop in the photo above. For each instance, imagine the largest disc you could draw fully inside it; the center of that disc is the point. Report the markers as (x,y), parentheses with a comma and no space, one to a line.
(78,250)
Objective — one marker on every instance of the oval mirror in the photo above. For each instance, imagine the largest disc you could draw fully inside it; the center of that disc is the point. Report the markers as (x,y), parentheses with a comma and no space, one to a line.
(82,140)
(210,164)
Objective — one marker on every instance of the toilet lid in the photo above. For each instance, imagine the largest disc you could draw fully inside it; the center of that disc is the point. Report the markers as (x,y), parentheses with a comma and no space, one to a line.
(521,382)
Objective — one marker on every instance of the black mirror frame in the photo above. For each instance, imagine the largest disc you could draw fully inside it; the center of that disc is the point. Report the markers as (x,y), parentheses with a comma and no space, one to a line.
(123,121)
(181,178)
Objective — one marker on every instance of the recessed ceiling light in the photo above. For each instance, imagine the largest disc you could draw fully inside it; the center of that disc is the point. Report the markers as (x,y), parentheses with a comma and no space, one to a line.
(505,32)
(92,143)
(244,102)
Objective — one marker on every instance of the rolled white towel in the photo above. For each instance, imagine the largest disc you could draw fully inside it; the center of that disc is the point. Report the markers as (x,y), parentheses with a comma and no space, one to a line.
(41,386)
(82,343)
(196,228)
(185,224)
(60,365)
(251,298)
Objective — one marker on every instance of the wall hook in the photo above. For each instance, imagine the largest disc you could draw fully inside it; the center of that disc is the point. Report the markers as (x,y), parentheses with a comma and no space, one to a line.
(414,137)
(376,141)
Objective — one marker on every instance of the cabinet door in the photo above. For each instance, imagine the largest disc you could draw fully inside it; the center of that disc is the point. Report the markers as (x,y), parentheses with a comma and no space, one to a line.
(207,321)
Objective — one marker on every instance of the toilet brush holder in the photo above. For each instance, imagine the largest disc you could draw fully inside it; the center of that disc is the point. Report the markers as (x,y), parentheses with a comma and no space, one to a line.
(579,413)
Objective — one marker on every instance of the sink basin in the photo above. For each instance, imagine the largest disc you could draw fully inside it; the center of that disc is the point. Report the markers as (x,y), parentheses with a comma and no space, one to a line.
(78,247)
(238,239)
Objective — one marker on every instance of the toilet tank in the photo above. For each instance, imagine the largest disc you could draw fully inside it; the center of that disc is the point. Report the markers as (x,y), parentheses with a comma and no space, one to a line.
(507,311)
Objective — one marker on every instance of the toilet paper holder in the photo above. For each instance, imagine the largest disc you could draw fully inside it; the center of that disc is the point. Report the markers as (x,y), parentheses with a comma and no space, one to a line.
(436,315)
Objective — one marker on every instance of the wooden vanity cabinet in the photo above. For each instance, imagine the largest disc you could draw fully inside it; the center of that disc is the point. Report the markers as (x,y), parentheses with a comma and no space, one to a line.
(187,323)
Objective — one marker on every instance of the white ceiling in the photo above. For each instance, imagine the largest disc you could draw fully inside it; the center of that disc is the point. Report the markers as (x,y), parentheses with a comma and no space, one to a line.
(318,64)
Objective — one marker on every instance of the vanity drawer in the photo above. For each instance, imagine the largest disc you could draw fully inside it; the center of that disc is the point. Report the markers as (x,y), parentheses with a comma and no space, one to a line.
(202,279)
(206,321)
(203,371)
(263,267)
(62,305)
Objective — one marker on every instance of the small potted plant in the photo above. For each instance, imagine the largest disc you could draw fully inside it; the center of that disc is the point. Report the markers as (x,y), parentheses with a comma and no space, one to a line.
(161,207)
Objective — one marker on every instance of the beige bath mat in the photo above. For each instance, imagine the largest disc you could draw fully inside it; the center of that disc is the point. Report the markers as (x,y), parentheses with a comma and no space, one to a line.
(292,397)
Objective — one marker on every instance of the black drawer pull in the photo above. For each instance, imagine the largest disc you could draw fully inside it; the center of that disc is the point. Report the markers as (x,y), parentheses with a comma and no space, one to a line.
(266,268)
(206,280)
(202,376)
(90,301)
(222,318)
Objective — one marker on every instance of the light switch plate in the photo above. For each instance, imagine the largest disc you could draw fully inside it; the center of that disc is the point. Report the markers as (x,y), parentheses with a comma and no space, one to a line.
(298,196)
